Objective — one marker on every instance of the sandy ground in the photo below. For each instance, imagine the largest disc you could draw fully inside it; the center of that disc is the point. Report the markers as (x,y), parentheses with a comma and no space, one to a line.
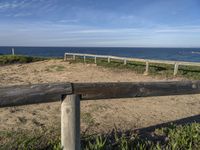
(100,115)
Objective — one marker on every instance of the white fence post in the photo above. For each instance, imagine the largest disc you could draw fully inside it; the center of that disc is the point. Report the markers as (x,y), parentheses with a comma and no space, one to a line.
(108,59)
(70,122)
(84,57)
(95,59)
(13,51)
(125,62)
(74,57)
(65,57)
(147,68)
(175,69)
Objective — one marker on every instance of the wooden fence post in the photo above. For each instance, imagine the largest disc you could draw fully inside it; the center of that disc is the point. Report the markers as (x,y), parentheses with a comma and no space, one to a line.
(13,51)
(84,57)
(175,69)
(147,68)
(108,59)
(70,122)
(95,59)
(125,62)
(74,57)
(65,57)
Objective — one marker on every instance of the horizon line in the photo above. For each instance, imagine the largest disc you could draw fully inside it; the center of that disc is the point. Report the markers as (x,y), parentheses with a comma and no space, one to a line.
(13,46)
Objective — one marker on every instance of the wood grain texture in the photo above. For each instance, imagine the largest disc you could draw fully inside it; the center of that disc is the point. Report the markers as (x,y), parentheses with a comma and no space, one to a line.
(91,91)
(41,93)
(32,94)
(70,122)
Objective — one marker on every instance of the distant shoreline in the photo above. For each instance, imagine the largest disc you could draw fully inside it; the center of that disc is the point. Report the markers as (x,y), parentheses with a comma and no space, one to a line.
(173,54)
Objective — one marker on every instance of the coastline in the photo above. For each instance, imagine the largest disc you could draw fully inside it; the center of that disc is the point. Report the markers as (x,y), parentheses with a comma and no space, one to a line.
(190,54)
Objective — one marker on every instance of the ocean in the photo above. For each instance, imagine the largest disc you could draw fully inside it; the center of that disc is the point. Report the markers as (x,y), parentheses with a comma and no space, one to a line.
(177,54)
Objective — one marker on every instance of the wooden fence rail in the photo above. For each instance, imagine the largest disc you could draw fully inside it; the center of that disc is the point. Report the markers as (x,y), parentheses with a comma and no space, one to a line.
(125,59)
(70,95)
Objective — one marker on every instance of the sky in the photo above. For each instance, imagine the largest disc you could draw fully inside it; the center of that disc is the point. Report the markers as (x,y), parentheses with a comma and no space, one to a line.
(100,23)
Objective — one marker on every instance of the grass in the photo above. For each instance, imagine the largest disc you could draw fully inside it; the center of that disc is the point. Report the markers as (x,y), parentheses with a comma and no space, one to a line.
(185,137)
(55,68)
(163,70)
(26,140)
(87,118)
(182,137)
(171,138)
(12,59)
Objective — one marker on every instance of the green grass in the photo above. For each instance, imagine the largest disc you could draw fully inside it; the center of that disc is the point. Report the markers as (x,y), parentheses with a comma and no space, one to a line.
(171,138)
(55,68)
(87,118)
(183,137)
(163,70)
(26,140)
(12,59)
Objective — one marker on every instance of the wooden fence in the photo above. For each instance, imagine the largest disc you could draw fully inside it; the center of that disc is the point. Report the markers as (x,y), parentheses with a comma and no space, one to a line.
(70,95)
(125,59)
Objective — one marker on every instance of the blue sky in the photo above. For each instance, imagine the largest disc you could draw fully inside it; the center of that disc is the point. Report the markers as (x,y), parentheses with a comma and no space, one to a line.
(129,23)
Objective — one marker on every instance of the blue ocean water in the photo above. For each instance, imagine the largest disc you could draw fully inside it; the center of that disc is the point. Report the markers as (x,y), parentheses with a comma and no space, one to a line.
(178,54)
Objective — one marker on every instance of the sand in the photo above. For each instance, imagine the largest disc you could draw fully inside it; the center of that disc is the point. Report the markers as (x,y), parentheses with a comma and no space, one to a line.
(99,115)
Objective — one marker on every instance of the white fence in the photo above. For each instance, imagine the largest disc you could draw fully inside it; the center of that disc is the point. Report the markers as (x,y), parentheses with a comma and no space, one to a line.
(125,59)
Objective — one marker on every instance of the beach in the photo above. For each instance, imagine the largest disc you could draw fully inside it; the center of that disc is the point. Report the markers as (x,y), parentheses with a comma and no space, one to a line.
(96,115)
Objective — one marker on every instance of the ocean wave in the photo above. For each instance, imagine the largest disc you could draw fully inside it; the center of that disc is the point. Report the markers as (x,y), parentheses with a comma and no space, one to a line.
(193,52)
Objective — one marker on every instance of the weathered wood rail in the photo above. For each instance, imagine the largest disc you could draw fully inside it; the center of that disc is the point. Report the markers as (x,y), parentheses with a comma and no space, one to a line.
(125,59)
(70,95)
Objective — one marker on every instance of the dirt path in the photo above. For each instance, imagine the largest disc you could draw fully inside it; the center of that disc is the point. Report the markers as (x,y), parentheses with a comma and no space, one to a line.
(100,115)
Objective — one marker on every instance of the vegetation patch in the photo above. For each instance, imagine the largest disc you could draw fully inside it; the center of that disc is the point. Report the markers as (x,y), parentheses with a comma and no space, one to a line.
(55,68)
(183,137)
(171,138)
(12,59)
(87,118)
(26,140)
(163,70)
